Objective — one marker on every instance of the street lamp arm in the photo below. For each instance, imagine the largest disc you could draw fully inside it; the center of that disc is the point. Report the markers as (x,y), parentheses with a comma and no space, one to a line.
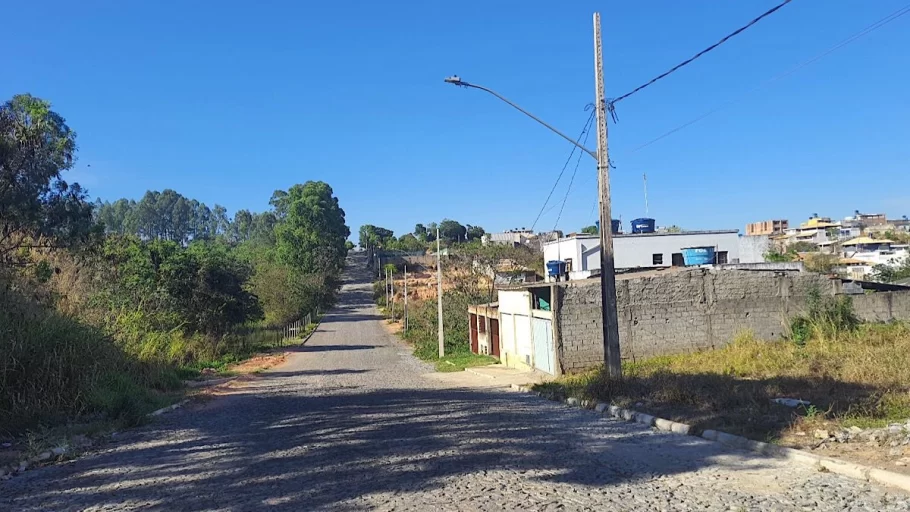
(462,83)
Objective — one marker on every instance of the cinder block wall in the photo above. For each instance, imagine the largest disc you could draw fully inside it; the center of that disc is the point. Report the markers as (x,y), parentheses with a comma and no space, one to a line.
(697,309)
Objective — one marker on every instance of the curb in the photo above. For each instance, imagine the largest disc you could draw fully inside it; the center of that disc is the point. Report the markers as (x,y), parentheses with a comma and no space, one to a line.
(840,467)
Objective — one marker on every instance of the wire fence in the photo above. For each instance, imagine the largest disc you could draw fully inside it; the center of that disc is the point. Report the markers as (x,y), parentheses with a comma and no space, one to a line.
(297,328)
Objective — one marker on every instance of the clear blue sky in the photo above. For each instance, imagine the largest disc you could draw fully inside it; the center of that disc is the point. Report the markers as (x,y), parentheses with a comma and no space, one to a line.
(227,101)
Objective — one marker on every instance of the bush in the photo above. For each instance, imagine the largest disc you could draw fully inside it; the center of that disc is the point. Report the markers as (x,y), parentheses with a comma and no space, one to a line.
(53,367)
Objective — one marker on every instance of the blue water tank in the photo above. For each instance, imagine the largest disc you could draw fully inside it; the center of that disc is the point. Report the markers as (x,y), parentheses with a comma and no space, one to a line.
(698,256)
(643,226)
(616,225)
(556,268)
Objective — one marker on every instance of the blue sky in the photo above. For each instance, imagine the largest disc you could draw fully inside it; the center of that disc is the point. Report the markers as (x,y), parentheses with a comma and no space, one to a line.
(227,101)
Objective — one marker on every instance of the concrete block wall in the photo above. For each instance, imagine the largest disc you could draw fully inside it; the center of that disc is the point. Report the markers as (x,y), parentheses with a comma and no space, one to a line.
(691,310)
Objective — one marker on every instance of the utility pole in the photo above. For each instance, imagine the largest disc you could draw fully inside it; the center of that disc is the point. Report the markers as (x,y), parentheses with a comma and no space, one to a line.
(442,344)
(387,289)
(607,270)
(405,316)
(392,291)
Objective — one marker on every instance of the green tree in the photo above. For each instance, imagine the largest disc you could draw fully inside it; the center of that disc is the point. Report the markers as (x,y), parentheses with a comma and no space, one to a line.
(452,231)
(37,207)
(892,273)
(591,230)
(311,235)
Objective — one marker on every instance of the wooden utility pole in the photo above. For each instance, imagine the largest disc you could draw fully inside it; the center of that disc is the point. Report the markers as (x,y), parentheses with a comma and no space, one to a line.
(442,344)
(405,316)
(392,292)
(612,358)
(386,288)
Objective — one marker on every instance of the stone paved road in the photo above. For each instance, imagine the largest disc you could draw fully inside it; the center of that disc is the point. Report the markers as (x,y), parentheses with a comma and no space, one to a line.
(348,423)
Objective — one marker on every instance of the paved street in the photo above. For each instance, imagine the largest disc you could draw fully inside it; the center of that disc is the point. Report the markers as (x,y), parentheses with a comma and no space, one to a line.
(349,422)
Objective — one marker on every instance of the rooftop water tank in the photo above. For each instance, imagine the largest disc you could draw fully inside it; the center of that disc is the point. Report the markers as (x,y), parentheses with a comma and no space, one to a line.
(643,226)
(698,256)
(616,226)
(556,268)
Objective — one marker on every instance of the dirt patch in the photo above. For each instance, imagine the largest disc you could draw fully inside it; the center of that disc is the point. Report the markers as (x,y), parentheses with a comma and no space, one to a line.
(258,363)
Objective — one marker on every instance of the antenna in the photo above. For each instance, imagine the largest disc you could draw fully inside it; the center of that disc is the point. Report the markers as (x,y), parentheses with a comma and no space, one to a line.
(644,178)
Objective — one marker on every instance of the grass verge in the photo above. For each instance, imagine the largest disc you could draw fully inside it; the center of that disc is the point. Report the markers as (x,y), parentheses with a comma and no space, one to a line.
(853,377)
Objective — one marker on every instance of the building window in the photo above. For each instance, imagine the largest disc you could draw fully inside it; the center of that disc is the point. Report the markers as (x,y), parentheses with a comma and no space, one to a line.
(720,257)
(568,265)
(657,259)
(678,260)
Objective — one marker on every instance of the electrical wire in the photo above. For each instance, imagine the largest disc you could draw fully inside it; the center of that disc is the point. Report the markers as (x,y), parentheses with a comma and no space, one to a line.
(699,54)
(871,28)
(584,131)
(575,171)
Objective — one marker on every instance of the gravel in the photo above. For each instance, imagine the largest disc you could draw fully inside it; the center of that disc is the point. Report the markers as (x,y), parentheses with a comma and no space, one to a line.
(349,423)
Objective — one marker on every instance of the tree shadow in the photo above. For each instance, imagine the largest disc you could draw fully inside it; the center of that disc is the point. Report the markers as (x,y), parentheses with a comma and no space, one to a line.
(295,451)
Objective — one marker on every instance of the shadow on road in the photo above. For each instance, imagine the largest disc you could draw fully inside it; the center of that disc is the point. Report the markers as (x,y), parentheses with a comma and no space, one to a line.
(307,452)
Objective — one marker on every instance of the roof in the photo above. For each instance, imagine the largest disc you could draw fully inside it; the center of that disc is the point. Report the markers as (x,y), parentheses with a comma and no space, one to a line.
(583,236)
(852,261)
(863,240)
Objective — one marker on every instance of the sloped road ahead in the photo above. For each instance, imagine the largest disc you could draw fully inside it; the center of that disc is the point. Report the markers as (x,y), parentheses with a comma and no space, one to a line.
(349,423)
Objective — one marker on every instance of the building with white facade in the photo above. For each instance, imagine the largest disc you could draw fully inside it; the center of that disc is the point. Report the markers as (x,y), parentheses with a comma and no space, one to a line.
(581,253)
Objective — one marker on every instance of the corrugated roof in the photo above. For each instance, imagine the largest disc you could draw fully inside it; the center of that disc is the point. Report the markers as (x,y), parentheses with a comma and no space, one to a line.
(865,240)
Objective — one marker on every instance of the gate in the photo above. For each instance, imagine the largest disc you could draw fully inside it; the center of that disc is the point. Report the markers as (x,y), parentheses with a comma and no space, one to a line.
(543,345)
(494,337)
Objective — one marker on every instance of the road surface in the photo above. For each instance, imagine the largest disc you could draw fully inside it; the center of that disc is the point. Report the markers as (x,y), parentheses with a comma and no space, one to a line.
(350,422)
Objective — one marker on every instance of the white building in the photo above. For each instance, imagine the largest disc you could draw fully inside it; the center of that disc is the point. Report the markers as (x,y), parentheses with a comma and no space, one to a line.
(581,253)
(513,237)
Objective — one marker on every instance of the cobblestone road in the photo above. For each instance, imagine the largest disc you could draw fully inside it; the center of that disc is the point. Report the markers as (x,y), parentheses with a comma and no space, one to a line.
(349,423)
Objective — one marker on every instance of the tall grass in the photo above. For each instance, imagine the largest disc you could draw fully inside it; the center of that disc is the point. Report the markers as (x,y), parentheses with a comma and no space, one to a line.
(854,373)
(53,367)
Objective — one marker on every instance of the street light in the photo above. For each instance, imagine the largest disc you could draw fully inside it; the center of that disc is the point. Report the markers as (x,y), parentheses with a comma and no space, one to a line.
(610,319)
(456,80)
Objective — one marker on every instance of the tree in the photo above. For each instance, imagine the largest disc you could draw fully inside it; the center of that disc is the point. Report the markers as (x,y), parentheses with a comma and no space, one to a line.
(802,246)
(242,227)
(821,263)
(375,236)
(37,207)
(674,229)
(474,232)
(590,230)
(892,273)
(452,231)
(420,231)
(311,235)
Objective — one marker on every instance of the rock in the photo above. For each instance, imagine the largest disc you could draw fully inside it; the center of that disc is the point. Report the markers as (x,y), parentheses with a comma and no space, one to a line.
(895,428)
(22,466)
(790,402)
(854,430)
(895,452)
(6,445)
(43,456)
(821,434)
(571,401)
(58,451)
(208,371)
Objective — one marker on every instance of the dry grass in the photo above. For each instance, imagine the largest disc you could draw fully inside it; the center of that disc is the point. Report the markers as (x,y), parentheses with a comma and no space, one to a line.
(858,377)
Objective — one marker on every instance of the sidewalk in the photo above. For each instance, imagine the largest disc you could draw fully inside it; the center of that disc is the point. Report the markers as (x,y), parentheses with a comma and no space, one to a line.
(492,376)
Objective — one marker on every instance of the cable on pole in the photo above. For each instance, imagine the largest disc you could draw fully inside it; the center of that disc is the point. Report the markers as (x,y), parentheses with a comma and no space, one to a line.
(584,132)
(612,102)
(871,28)
(572,179)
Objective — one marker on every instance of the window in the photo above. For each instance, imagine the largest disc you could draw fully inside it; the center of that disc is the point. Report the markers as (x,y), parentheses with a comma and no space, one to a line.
(568,265)
(678,260)
(720,257)
(657,259)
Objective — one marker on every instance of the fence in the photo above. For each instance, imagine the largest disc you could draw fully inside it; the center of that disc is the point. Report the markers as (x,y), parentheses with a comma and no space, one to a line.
(297,328)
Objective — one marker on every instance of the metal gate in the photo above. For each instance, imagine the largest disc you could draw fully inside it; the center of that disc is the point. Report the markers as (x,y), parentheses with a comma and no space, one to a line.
(542,329)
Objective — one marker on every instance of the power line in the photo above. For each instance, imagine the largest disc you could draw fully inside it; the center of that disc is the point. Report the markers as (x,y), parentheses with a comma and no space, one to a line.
(572,180)
(584,132)
(699,54)
(871,28)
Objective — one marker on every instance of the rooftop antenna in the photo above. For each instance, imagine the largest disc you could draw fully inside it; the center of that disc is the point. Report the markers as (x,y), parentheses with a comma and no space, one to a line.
(644,178)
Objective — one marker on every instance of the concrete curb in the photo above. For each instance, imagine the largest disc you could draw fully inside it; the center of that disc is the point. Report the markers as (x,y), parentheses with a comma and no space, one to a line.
(169,408)
(840,467)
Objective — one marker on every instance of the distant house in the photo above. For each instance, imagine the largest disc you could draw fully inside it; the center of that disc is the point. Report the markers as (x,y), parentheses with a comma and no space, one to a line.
(581,252)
